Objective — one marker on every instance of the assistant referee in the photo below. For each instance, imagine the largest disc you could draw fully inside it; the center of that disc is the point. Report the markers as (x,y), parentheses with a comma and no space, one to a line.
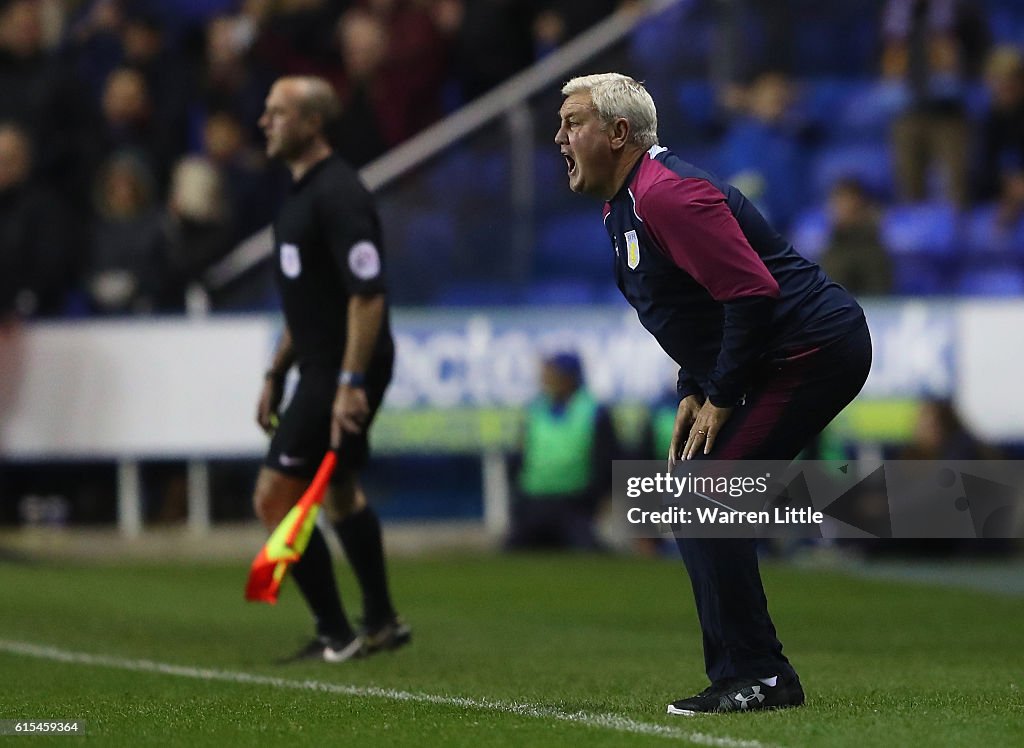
(330,272)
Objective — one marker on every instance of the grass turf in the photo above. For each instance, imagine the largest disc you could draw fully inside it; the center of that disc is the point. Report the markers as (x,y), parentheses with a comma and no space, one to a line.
(883,663)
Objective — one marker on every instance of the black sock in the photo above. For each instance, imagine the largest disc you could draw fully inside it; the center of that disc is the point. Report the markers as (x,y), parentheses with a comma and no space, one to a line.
(360,537)
(315,577)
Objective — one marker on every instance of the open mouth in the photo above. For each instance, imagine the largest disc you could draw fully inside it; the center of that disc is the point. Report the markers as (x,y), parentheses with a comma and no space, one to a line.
(570,163)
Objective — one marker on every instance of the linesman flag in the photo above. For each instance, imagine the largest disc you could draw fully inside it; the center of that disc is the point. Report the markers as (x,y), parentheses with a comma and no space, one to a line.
(289,540)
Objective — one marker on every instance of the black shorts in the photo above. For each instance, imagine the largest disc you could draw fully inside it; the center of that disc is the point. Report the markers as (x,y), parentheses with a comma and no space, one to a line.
(304,434)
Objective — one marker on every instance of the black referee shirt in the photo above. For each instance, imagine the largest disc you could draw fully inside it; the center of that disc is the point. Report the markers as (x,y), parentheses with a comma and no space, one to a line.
(328,246)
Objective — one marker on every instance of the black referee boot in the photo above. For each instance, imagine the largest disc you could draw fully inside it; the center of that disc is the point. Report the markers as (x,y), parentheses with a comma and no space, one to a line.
(329,649)
(393,634)
(742,695)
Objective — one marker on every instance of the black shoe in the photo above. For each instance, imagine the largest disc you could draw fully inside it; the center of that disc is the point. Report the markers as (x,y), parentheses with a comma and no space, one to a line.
(391,635)
(741,695)
(329,649)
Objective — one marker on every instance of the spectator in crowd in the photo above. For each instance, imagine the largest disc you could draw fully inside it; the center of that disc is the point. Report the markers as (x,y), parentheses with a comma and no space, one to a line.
(35,235)
(1011,200)
(126,268)
(360,132)
(147,51)
(94,42)
(230,75)
(108,34)
(932,47)
(295,36)
(391,73)
(40,96)
(1001,175)
(131,122)
(940,434)
(855,255)
(560,20)
(414,70)
(763,152)
(250,189)
(197,230)
(492,40)
(158,79)
(567,452)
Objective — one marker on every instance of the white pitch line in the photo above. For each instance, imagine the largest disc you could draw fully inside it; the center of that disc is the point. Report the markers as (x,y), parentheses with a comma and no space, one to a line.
(605,721)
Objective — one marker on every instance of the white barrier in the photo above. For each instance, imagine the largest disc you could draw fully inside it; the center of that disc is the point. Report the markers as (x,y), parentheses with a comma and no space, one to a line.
(139,389)
(183,388)
(171,388)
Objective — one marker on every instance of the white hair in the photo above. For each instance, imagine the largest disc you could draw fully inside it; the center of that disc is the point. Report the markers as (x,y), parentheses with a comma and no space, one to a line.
(616,95)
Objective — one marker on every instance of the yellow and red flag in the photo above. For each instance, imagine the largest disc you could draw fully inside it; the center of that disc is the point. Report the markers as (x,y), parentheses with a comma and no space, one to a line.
(289,539)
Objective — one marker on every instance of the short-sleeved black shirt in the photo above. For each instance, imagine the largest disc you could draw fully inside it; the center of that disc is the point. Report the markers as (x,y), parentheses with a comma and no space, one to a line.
(328,247)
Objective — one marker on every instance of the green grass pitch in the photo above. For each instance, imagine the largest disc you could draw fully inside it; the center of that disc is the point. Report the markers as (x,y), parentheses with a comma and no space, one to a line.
(534,650)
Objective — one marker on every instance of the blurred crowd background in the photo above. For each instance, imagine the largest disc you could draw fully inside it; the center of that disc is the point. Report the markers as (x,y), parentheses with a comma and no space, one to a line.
(884,137)
(130,158)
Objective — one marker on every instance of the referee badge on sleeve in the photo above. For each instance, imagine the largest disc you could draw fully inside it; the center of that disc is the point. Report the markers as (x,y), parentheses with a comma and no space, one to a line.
(632,250)
(364,260)
(291,263)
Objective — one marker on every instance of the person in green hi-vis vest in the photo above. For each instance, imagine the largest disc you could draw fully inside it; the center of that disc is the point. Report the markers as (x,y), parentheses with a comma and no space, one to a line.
(565,470)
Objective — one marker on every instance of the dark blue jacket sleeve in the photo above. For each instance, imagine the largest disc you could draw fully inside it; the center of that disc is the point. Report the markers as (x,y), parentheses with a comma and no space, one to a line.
(687,385)
(743,337)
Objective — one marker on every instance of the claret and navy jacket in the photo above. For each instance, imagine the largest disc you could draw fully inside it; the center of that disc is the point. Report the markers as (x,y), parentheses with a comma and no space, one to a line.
(718,288)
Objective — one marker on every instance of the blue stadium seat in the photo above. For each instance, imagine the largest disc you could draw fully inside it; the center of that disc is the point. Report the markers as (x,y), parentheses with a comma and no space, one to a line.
(477,293)
(813,43)
(810,231)
(866,113)
(704,157)
(1004,281)
(833,39)
(696,101)
(925,229)
(655,46)
(566,291)
(574,245)
(549,171)
(470,173)
(918,276)
(430,235)
(823,99)
(168,10)
(428,242)
(673,127)
(983,236)
(978,100)
(419,242)
(452,168)
(1006,22)
(868,162)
